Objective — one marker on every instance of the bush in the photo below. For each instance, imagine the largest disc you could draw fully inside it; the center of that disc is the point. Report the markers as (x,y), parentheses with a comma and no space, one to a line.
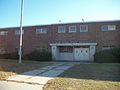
(111,55)
(39,56)
(13,55)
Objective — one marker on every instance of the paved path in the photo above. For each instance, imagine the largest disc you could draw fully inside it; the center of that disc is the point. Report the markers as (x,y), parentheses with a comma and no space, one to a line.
(35,79)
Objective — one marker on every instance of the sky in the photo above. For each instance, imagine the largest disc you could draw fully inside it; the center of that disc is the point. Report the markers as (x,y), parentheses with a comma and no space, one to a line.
(37,12)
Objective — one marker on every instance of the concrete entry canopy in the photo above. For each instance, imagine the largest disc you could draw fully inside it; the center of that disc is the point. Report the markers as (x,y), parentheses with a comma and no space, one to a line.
(80,51)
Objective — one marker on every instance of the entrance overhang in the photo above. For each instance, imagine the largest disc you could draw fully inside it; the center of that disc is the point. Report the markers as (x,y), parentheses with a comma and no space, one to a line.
(73,44)
(57,55)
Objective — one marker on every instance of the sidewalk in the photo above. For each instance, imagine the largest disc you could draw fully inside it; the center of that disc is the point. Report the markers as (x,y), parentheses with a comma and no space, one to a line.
(35,79)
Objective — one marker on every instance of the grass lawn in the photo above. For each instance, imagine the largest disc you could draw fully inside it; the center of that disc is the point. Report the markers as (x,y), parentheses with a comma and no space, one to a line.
(88,77)
(11,67)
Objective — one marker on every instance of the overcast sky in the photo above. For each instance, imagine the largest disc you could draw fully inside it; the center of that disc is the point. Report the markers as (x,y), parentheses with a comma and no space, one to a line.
(37,12)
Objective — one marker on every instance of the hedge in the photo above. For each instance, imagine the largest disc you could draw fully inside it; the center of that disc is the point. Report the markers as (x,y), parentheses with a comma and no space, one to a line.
(39,56)
(13,55)
(106,56)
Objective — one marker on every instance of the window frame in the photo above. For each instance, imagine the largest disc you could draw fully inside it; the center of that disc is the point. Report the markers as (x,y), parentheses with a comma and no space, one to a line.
(17,32)
(66,49)
(3,33)
(108,27)
(41,48)
(72,31)
(41,30)
(107,47)
(61,29)
(2,50)
(83,30)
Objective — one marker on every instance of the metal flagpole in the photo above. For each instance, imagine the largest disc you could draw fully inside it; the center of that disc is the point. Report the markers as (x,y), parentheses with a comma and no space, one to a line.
(21,31)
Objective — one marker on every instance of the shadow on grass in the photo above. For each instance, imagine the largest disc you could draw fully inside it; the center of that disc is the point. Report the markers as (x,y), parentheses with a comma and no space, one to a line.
(104,72)
(90,71)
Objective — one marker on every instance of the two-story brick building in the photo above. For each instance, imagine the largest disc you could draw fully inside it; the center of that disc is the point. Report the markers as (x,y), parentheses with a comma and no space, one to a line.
(67,41)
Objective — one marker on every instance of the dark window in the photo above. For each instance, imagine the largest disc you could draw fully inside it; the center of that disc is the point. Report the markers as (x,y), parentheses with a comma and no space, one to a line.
(68,49)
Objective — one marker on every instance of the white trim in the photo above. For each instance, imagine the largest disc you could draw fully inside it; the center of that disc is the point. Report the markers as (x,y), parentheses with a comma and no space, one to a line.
(72,44)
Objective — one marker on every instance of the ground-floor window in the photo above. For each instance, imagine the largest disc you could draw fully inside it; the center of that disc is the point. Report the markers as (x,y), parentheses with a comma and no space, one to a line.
(41,48)
(2,50)
(107,47)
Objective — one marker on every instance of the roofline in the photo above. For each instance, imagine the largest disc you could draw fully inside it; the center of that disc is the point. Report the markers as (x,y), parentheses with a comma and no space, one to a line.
(99,21)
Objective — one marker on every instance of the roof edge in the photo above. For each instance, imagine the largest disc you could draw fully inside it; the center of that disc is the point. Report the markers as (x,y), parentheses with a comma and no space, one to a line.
(62,23)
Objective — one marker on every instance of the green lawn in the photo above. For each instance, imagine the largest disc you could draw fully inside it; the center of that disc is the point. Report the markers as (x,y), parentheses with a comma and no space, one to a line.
(87,77)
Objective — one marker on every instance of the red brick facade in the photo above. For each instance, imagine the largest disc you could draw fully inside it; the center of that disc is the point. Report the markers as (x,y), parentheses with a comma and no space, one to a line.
(10,42)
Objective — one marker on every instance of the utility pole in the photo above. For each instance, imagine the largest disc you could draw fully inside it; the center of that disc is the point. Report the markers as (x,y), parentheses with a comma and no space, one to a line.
(21,31)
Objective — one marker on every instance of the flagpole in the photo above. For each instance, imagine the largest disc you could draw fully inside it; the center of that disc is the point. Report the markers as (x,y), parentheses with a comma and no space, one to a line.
(21,31)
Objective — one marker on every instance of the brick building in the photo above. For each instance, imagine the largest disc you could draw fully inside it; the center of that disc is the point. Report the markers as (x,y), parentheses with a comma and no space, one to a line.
(66,41)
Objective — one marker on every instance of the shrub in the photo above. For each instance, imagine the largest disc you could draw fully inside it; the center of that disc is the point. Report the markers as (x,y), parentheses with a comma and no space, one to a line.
(111,55)
(13,55)
(39,56)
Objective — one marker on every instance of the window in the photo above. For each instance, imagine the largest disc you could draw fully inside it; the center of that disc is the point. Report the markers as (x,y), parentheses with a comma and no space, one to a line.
(61,29)
(66,49)
(111,27)
(41,49)
(83,28)
(42,30)
(107,47)
(3,32)
(17,32)
(108,27)
(2,50)
(72,29)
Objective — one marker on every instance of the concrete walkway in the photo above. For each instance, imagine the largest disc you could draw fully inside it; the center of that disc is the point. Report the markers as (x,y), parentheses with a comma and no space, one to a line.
(35,79)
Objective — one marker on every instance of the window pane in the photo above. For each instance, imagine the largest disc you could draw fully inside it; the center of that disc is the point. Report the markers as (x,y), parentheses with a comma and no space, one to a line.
(72,29)
(61,29)
(41,49)
(111,27)
(108,27)
(104,28)
(4,33)
(17,32)
(66,49)
(42,30)
(83,28)
(2,50)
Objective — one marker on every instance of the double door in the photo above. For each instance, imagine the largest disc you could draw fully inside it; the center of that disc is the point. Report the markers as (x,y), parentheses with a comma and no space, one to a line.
(81,54)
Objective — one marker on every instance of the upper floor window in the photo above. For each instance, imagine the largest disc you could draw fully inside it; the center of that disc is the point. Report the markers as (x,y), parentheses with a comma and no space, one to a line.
(17,32)
(108,27)
(72,29)
(42,30)
(61,29)
(3,32)
(83,28)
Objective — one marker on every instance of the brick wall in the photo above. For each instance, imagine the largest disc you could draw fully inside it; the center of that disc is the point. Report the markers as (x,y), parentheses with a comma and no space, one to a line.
(31,40)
